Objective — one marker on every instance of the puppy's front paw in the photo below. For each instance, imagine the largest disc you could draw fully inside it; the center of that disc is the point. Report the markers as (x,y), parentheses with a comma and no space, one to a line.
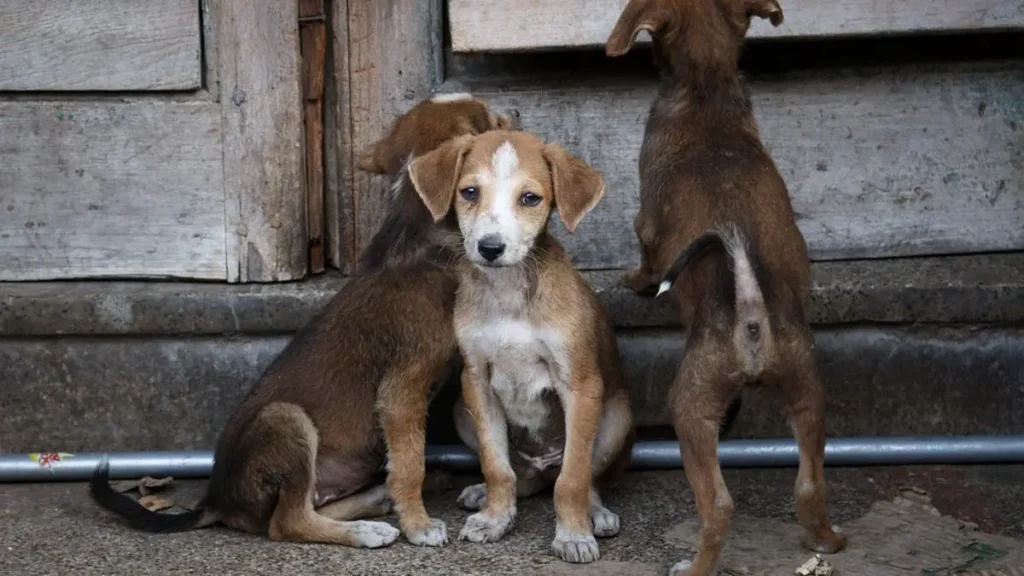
(481,527)
(575,547)
(435,533)
(827,542)
(473,497)
(604,521)
(373,534)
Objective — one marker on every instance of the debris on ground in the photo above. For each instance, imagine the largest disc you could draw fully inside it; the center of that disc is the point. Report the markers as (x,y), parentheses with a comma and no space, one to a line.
(156,502)
(145,485)
(816,566)
(906,536)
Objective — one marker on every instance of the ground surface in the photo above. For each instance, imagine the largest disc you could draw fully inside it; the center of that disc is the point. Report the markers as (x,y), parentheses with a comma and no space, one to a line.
(55,529)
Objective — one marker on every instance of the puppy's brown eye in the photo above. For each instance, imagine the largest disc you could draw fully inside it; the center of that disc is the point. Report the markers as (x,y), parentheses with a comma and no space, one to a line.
(529,199)
(469,194)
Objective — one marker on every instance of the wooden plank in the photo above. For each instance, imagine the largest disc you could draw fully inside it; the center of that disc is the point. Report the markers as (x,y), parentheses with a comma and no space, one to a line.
(261,102)
(489,26)
(883,163)
(99,45)
(394,62)
(339,238)
(313,34)
(111,189)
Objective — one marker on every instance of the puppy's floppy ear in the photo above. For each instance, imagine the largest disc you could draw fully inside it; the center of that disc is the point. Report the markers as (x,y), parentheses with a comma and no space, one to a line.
(576,187)
(435,174)
(769,9)
(638,15)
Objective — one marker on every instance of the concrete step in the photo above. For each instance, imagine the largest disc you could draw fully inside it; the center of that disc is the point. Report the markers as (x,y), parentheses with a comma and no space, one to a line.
(919,346)
(986,288)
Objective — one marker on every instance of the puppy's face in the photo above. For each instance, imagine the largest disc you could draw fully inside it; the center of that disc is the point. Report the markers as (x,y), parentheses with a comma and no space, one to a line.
(503,186)
(430,123)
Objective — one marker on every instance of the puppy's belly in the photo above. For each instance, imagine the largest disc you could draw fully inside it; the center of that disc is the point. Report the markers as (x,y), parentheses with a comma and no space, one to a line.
(534,414)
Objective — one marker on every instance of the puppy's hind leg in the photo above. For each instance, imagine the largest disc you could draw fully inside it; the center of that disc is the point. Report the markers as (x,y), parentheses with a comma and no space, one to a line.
(371,503)
(701,396)
(805,397)
(294,459)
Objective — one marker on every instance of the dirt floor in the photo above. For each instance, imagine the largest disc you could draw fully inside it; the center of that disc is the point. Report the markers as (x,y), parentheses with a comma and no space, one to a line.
(55,529)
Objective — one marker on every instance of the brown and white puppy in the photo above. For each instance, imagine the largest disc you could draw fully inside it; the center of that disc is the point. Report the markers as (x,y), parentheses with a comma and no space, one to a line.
(713,203)
(542,377)
(304,454)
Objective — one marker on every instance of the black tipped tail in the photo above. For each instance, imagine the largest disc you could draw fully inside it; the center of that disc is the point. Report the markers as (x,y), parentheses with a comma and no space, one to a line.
(689,254)
(752,329)
(136,514)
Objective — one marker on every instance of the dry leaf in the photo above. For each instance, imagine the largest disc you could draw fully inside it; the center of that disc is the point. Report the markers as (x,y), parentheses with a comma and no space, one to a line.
(148,485)
(156,502)
(122,486)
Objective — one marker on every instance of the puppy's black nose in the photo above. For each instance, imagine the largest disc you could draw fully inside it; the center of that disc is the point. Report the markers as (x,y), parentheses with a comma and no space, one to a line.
(491,247)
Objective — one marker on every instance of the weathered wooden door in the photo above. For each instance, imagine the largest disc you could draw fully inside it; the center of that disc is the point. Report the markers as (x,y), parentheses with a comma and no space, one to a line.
(151,138)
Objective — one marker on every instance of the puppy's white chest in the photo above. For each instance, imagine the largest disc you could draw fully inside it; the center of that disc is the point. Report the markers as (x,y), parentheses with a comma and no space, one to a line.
(520,356)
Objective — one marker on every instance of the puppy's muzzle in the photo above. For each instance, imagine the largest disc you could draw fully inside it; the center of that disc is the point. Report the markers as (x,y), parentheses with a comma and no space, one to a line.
(491,247)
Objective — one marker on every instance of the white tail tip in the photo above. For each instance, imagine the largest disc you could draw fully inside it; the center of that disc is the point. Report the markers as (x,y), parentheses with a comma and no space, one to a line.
(663,287)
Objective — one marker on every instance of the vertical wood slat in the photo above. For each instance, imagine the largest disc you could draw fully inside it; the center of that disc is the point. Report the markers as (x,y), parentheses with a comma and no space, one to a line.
(339,235)
(261,105)
(313,40)
(394,61)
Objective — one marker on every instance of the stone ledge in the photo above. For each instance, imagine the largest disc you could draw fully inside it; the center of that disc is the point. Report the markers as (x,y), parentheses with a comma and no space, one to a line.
(977,289)
(84,394)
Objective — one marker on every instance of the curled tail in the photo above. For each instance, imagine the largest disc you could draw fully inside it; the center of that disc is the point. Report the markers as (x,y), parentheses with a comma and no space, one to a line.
(751,330)
(138,515)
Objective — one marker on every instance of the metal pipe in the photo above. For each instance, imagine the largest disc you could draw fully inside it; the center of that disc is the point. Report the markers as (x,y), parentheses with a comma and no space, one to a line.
(647,455)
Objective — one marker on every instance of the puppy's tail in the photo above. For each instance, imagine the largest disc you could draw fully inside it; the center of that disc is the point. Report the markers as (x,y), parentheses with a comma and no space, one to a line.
(136,514)
(751,330)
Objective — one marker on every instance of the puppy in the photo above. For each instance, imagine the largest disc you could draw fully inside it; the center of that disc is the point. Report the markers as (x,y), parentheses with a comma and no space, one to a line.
(301,457)
(706,179)
(541,378)
(408,231)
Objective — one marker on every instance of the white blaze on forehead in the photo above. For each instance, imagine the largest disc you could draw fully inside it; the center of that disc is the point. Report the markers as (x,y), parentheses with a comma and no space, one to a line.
(505,161)
(453,97)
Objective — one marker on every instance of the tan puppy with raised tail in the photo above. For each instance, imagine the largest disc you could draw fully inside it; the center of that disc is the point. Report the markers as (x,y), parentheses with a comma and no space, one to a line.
(716,229)
(542,376)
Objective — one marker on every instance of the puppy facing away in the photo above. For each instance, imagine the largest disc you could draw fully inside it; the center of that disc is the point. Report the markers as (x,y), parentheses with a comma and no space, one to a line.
(716,228)
(542,382)
(408,229)
(302,457)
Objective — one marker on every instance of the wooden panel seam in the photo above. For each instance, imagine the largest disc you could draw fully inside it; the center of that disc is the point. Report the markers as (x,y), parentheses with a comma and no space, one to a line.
(264,172)
(313,34)
(551,24)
